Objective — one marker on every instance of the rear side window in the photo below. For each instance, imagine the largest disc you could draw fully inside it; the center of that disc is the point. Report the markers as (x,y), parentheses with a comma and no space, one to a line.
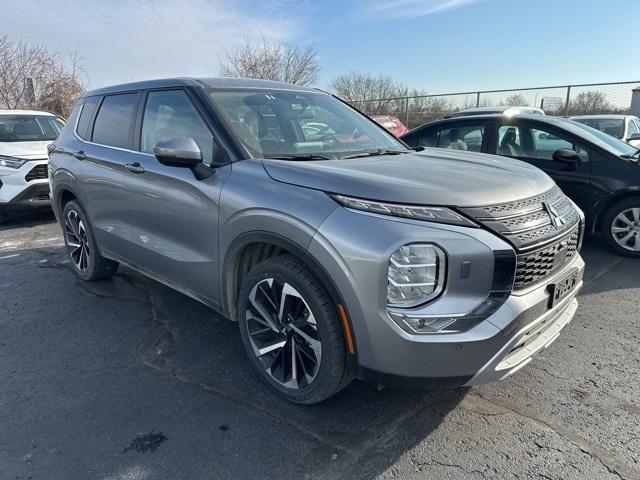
(84,123)
(115,119)
(463,137)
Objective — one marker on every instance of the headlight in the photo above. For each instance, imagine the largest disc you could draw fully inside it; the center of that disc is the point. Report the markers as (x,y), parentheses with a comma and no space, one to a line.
(416,275)
(11,162)
(431,214)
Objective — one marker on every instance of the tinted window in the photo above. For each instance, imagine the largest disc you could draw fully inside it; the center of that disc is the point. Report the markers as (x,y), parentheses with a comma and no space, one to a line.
(536,143)
(462,137)
(114,120)
(29,128)
(171,114)
(84,123)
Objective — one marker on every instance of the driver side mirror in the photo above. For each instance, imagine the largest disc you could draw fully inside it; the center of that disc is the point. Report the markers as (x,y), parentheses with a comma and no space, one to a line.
(634,137)
(567,156)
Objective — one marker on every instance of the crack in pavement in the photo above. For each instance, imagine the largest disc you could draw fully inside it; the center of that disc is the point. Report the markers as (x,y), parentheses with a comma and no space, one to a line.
(159,344)
(613,465)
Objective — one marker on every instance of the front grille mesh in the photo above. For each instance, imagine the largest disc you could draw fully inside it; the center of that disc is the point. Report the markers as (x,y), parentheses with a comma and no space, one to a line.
(536,265)
(39,172)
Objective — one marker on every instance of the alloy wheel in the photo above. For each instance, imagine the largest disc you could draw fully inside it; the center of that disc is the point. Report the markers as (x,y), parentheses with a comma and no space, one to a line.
(625,229)
(77,240)
(283,333)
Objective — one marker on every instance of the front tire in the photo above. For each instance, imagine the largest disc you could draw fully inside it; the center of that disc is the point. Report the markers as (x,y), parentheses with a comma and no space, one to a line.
(87,262)
(291,331)
(621,227)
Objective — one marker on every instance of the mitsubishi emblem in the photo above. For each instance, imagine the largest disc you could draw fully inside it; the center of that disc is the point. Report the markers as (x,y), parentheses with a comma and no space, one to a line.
(557,220)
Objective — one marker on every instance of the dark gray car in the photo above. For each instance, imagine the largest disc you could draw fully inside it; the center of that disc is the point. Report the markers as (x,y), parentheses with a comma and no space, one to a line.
(339,252)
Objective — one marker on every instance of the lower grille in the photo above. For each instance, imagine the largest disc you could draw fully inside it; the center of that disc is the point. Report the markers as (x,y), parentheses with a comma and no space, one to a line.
(39,172)
(538,264)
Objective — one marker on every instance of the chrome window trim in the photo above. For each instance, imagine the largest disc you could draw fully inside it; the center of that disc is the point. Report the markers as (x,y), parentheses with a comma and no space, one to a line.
(75,134)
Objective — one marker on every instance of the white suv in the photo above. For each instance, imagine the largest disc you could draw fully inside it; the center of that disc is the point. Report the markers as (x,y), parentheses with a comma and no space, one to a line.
(24,136)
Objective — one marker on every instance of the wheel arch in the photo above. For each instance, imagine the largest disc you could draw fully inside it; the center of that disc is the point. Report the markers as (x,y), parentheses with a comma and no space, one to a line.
(620,196)
(251,248)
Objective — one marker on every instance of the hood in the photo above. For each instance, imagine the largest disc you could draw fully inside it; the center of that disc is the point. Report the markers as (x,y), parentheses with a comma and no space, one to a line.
(430,177)
(28,150)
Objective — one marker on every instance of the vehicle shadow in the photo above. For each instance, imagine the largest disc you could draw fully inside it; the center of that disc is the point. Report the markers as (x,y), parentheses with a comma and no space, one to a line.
(359,433)
(605,270)
(27,218)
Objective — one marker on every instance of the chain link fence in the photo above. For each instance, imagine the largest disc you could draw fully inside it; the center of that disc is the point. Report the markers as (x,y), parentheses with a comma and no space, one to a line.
(586,99)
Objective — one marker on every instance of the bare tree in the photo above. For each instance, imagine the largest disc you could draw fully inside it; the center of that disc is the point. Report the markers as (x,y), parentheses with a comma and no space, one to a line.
(515,100)
(33,77)
(590,102)
(373,94)
(270,60)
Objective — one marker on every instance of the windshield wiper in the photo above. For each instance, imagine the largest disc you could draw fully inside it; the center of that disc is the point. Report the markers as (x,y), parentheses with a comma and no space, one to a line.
(373,153)
(309,156)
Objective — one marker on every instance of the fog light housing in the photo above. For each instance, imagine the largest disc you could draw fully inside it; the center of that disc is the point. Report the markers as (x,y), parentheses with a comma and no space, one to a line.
(416,275)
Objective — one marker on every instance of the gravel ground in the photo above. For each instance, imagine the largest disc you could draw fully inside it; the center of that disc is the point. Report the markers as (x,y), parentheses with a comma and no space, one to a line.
(127,379)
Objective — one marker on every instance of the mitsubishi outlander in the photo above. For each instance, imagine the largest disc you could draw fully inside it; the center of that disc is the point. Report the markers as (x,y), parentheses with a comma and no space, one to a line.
(340,252)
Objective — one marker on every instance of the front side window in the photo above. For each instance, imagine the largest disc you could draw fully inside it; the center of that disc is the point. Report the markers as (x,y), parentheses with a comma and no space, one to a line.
(29,128)
(114,120)
(535,143)
(281,123)
(170,114)
(632,127)
(462,137)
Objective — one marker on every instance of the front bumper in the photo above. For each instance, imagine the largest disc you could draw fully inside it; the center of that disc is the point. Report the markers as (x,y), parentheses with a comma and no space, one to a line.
(491,350)
(21,189)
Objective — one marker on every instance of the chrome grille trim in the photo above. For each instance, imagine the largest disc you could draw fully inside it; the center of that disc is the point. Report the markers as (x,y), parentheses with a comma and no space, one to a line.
(526,223)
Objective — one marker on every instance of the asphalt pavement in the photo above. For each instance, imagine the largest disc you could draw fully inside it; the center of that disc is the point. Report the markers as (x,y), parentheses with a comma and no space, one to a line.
(126,379)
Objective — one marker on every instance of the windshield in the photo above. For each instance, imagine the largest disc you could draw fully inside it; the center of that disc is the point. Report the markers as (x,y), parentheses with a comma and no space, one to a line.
(610,126)
(603,140)
(299,124)
(29,128)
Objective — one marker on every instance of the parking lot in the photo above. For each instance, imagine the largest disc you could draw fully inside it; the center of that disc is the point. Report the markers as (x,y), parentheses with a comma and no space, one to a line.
(127,379)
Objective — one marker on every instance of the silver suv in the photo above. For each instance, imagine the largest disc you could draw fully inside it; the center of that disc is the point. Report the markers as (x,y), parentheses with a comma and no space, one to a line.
(340,252)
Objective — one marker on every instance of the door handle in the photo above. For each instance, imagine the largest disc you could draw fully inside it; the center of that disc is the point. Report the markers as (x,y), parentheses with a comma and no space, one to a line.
(134,167)
(80,155)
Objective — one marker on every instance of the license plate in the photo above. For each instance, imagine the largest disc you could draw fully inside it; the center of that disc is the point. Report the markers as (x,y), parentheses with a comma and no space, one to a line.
(560,289)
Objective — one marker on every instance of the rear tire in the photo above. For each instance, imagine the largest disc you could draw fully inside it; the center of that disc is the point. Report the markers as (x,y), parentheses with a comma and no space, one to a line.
(621,227)
(81,246)
(291,331)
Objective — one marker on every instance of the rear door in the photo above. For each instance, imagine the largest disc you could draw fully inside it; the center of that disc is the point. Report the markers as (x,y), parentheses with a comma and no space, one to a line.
(535,143)
(175,216)
(106,127)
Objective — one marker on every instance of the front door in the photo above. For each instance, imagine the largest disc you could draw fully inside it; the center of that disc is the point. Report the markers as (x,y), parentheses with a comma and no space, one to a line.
(535,143)
(175,227)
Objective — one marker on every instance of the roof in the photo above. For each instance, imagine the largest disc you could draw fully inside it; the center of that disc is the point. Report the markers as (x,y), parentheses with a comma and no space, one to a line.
(497,108)
(596,117)
(249,83)
(496,116)
(26,112)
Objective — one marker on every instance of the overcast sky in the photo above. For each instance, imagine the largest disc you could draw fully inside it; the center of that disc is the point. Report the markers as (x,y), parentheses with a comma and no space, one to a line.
(438,45)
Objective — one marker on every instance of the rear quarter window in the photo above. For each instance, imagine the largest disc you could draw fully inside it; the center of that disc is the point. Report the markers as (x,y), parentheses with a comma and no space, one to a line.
(115,119)
(86,116)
